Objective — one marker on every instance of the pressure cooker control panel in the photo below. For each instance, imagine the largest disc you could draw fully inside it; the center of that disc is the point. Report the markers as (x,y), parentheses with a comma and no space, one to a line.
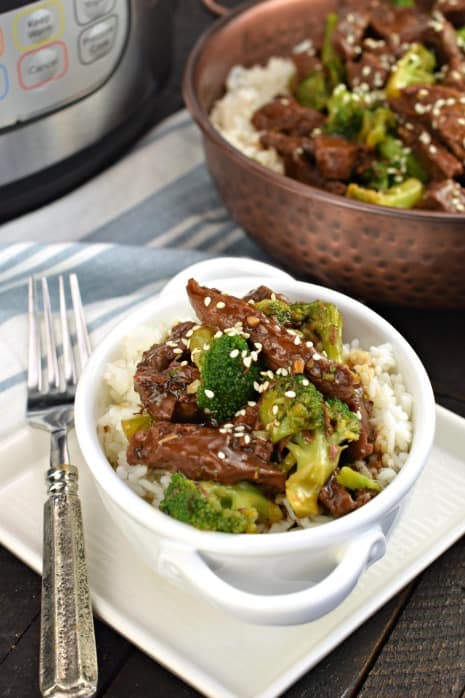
(55,52)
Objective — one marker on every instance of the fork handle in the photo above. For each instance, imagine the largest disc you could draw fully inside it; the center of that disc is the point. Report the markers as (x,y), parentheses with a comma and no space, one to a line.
(68,655)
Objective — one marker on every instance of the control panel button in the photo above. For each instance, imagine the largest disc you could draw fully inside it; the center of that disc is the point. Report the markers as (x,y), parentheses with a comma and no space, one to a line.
(88,10)
(36,26)
(3,82)
(97,41)
(38,67)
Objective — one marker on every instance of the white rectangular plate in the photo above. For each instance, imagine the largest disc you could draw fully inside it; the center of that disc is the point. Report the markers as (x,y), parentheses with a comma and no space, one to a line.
(219,655)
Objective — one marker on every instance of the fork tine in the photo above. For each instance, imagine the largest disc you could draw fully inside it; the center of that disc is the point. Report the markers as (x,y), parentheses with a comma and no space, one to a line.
(34,373)
(53,375)
(81,327)
(68,360)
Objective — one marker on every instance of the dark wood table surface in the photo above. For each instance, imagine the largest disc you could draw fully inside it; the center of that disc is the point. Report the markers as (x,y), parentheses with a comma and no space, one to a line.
(413,646)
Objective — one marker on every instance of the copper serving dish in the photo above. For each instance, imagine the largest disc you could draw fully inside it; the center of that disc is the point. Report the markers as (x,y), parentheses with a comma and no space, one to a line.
(385,255)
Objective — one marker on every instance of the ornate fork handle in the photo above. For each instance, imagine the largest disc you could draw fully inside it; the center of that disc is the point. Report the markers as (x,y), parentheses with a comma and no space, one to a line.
(68,664)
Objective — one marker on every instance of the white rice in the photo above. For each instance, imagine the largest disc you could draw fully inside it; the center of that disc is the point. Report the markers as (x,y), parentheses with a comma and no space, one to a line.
(391,418)
(248,89)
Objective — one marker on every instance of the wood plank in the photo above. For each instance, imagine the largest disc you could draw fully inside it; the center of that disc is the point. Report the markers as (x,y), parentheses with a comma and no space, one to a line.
(19,670)
(425,654)
(342,671)
(141,677)
(19,600)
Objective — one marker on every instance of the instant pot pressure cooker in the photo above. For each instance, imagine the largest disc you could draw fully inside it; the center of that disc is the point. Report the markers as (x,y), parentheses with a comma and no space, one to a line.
(78,81)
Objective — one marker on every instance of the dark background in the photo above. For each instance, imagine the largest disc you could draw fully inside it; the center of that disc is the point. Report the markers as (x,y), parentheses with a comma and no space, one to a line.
(414,646)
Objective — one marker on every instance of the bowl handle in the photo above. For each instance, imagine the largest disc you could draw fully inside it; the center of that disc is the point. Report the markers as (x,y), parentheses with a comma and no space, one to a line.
(182,563)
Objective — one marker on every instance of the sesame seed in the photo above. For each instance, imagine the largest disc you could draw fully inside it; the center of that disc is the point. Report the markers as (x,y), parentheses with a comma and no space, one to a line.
(305,382)
(316,356)
(309,344)
(239,428)
(256,386)
(251,403)
(240,413)
(170,343)
(297,340)
(218,334)
(221,455)
(206,301)
(209,393)
(246,438)
(433,150)
(254,355)
(247,361)
(189,333)
(275,409)
(234,353)
(221,304)
(183,363)
(290,393)
(258,346)
(177,351)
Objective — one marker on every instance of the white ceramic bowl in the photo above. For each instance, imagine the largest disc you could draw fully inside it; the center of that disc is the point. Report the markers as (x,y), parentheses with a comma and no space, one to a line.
(275,579)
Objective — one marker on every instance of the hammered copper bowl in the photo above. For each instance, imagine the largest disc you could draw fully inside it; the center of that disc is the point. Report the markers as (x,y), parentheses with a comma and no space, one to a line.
(386,255)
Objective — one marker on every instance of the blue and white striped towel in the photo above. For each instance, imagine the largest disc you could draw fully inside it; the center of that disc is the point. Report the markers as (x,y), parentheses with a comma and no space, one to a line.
(159,196)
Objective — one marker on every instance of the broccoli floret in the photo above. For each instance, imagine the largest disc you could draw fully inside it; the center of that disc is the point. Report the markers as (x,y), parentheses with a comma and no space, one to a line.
(345,113)
(375,125)
(136,423)
(316,454)
(277,309)
(397,164)
(460,32)
(322,324)
(330,58)
(291,405)
(394,152)
(404,195)
(415,67)
(214,507)
(353,480)
(227,375)
(313,91)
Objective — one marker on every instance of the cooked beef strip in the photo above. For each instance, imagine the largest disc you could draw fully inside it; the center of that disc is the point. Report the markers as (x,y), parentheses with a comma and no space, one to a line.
(399,26)
(438,162)
(441,37)
(348,35)
(449,6)
(163,393)
(203,453)
(371,70)
(159,356)
(335,156)
(447,195)
(305,64)
(287,146)
(280,347)
(338,501)
(439,108)
(287,115)
(263,292)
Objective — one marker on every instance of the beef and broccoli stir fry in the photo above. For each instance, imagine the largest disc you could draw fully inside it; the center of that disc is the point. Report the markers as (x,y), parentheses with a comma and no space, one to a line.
(253,409)
(376,112)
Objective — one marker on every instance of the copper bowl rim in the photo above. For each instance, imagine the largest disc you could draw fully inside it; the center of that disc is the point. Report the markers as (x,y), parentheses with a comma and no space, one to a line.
(306,190)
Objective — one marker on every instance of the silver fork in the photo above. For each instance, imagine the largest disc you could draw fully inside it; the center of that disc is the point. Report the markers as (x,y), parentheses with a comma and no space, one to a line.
(68,657)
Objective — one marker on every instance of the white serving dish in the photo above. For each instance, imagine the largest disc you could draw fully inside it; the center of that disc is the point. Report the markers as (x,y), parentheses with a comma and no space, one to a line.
(276,579)
(219,655)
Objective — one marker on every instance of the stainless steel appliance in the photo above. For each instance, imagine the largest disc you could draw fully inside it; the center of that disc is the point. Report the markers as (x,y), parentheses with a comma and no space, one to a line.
(78,81)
